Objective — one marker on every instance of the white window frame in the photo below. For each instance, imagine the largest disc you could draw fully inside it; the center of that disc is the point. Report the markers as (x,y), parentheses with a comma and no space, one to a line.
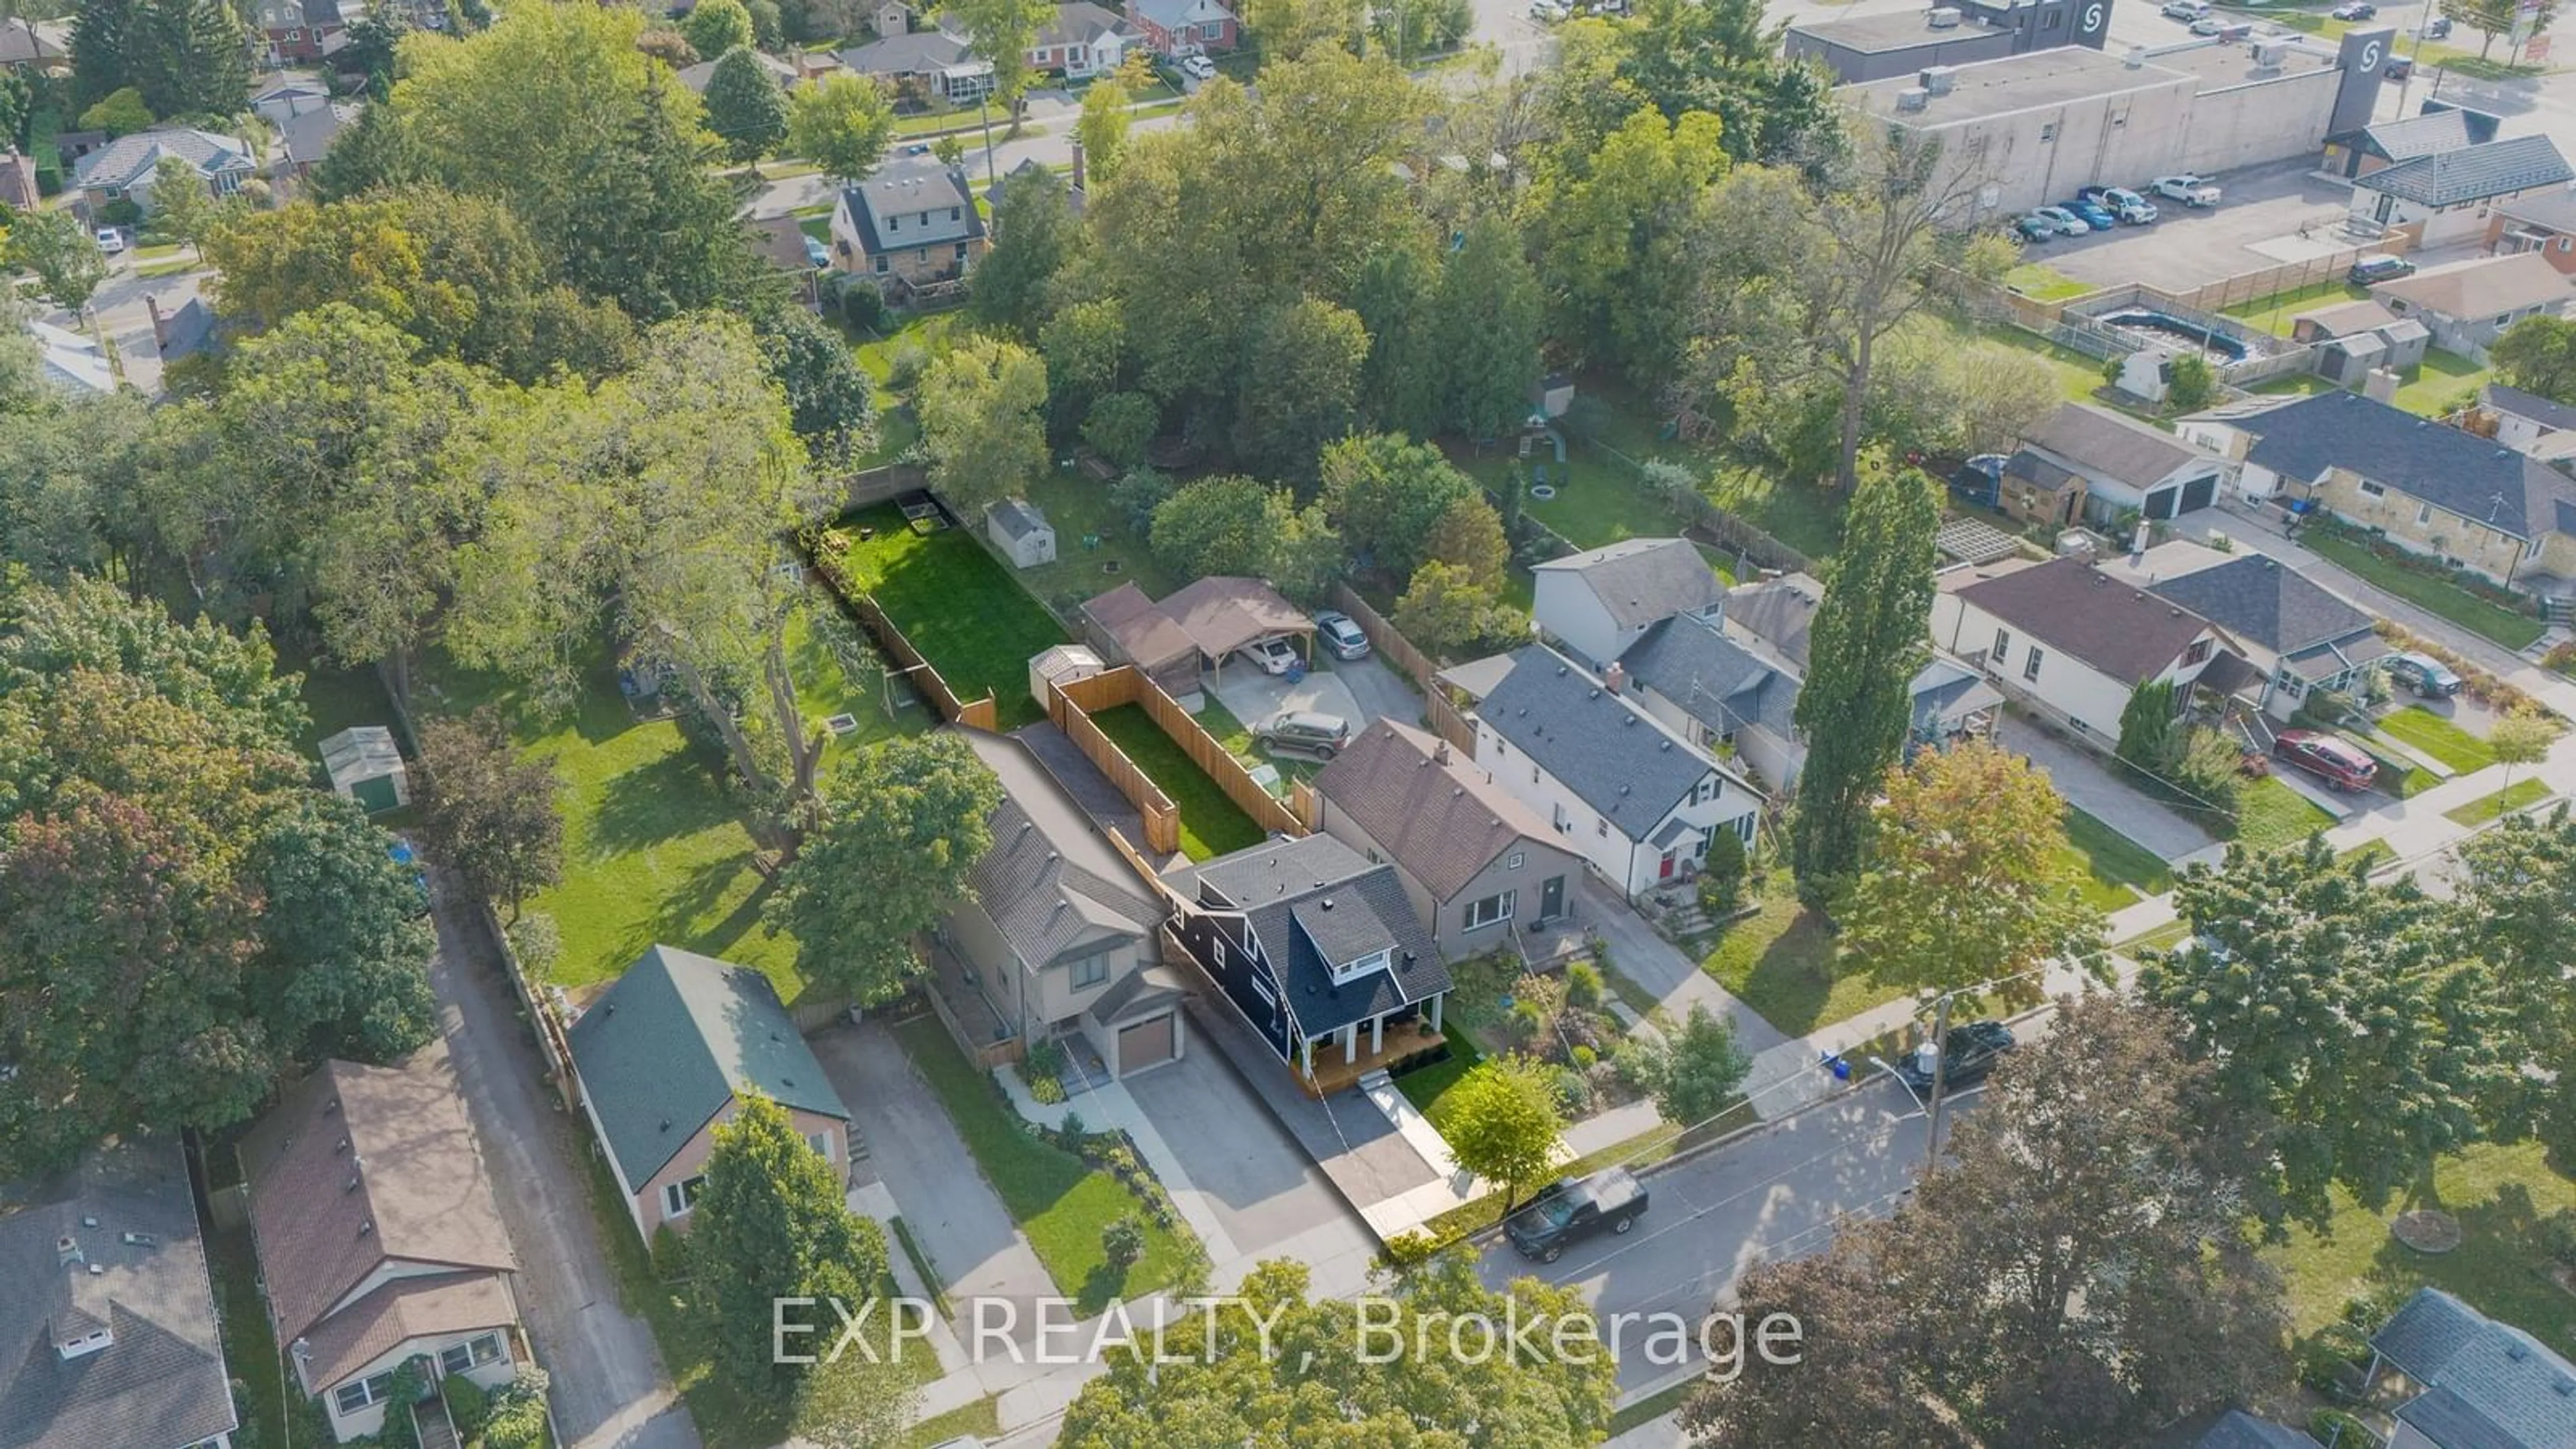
(679,1199)
(371,1390)
(2370,489)
(1512,861)
(1354,970)
(1492,910)
(2003,645)
(821,1142)
(481,1351)
(2030,663)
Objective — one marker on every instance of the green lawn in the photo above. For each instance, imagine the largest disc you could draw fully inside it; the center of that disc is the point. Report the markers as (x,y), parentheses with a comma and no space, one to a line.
(2162,938)
(2438,737)
(1211,823)
(2370,854)
(1079,508)
(2500,1196)
(926,330)
(2078,376)
(957,605)
(2297,384)
(2511,628)
(2117,870)
(1059,1201)
(2273,313)
(250,1347)
(2443,379)
(1652,1407)
(2043,283)
(2270,814)
(1784,964)
(981,1420)
(2488,807)
(1426,1087)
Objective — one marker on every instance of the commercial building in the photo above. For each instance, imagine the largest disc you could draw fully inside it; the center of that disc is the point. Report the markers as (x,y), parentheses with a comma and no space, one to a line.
(1876,47)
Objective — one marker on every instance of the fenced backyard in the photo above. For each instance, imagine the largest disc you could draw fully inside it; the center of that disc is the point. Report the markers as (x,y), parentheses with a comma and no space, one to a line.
(1195,795)
(947,611)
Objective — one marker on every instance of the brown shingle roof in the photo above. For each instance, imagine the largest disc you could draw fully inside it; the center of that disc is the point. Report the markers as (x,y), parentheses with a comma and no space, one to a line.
(361,1165)
(2109,445)
(2073,607)
(1139,626)
(1223,612)
(1442,822)
(2485,287)
(437,1305)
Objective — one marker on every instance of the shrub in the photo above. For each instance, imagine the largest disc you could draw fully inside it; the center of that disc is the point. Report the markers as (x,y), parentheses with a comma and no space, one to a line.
(905,366)
(1411,1249)
(862,305)
(1046,1058)
(1071,1131)
(538,943)
(1670,482)
(399,1431)
(1573,1093)
(1583,1058)
(2325,1355)
(1138,495)
(2558,1236)
(1046,1091)
(670,1255)
(1583,985)
(518,1417)
(2368,1310)
(1637,1065)
(467,1404)
(1123,1242)
(2189,383)
(2334,1426)
(1120,426)
(1721,880)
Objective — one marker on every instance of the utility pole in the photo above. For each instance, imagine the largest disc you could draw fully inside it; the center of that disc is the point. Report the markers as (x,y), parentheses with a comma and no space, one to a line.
(1940,1069)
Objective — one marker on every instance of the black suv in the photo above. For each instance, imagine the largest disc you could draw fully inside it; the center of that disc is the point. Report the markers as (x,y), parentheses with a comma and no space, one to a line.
(1566,1212)
(2378,267)
(1972,1050)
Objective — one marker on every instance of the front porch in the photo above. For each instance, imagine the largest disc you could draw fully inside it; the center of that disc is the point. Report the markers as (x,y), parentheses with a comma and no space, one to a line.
(1364,1047)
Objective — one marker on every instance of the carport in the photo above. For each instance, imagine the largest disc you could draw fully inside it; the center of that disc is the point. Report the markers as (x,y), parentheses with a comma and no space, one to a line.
(1226,612)
(1125,624)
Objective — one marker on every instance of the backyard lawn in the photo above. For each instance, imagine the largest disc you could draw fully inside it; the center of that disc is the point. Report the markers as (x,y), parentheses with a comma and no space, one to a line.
(1058,1200)
(2043,283)
(2117,870)
(250,1346)
(1079,508)
(956,604)
(2443,379)
(2511,628)
(2270,815)
(2273,313)
(1211,823)
(2487,807)
(2500,1196)
(1783,963)
(2438,737)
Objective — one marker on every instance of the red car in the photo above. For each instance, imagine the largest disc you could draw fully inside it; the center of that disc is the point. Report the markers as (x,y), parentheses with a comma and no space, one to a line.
(2340,763)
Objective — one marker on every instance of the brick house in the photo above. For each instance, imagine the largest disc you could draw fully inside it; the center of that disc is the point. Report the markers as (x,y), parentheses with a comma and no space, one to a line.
(909,229)
(300,32)
(1175,28)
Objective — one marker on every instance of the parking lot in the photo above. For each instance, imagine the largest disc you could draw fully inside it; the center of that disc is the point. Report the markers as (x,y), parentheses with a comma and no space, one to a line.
(2256,224)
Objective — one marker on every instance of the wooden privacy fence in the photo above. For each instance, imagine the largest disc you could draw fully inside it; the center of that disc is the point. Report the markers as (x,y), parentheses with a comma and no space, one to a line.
(924,675)
(1124,685)
(1162,819)
(1421,668)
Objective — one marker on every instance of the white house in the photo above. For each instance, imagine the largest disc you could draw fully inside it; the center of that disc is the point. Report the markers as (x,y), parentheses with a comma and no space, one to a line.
(122,170)
(1599,602)
(2068,640)
(2293,634)
(1082,40)
(2127,466)
(2449,197)
(1638,801)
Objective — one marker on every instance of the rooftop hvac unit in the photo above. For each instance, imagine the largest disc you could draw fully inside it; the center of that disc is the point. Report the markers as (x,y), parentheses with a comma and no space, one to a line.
(1913,98)
(1944,17)
(2269,52)
(1936,79)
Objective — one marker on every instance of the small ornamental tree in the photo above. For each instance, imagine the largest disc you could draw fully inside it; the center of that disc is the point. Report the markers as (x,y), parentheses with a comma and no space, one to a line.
(1504,1124)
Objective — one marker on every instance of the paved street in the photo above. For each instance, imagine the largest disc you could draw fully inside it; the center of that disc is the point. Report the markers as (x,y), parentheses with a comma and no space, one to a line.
(608,1385)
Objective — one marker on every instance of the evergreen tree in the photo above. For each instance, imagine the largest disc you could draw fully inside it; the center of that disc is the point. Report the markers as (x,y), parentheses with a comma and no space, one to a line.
(378,153)
(1034,233)
(101,34)
(660,238)
(770,1223)
(745,106)
(1867,644)
(189,57)
(1396,298)
(1490,318)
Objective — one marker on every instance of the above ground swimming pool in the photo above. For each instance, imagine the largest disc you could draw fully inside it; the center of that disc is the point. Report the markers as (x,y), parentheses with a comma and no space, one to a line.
(2228,347)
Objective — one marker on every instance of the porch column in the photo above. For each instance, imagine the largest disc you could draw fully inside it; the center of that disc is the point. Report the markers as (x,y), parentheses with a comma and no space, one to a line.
(1377,1034)
(1435,1009)
(1306,1054)
(1351,1044)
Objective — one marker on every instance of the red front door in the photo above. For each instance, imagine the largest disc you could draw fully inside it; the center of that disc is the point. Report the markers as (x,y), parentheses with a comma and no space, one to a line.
(1665,870)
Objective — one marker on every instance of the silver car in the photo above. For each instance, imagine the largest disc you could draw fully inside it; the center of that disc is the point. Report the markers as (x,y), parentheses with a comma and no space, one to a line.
(1341,635)
(1305,733)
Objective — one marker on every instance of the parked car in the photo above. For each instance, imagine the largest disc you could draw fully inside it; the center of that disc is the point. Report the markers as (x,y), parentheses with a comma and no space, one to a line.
(2378,267)
(110,240)
(2067,222)
(1567,1212)
(2399,68)
(2354,10)
(2190,190)
(2183,9)
(2034,227)
(1549,12)
(2422,674)
(2342,764)
(917,148)
(1341,635)
(2208,25)
(1972,1050)
(2438,28)
(1199,67)
(1308,733)
(2121,202)
(2093,213)
(1275,654)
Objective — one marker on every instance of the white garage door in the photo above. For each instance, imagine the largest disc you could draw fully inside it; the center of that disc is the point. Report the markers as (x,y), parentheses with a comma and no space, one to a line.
(1145,1044)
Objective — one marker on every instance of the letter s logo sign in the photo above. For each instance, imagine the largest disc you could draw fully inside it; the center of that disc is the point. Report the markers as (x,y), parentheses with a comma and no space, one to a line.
(2092,18)
(2370,56)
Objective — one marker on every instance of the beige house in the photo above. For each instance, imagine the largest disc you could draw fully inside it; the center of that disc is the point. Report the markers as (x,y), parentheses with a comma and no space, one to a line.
(909,228)
(2468,305)
(1058,939)
(378,1238)
(666,1055)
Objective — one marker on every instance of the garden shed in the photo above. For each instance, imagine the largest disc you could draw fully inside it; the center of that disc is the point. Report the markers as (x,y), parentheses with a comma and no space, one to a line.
(1062,664)
(365,766)
(1021,532)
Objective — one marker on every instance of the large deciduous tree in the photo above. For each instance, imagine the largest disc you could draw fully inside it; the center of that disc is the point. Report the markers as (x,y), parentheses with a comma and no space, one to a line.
(771,1223)
(2538,355)
(1002,33)
(489,813)
(1610,224)
(1857,703)
(2518,912)
(1302,365)
(1034,234)
(718,27)
(2349,1043)
(1970,878)
(1312,1377)
(1386,493)
(62,254)
(900,832)
(982,409)
(1490,314)
(841,124)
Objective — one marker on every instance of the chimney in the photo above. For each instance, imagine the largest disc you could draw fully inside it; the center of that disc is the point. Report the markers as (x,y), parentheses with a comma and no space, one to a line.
(67,1252)
(1615,676)
(1077,166)
(1440,753)
(160,324)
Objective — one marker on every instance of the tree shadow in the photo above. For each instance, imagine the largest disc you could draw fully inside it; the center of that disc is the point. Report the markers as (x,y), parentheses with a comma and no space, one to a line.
(1792,981)
(1100,1288)
(662,799)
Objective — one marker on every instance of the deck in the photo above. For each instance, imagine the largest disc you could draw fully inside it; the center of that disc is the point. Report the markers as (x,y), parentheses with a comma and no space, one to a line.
(1332,1074)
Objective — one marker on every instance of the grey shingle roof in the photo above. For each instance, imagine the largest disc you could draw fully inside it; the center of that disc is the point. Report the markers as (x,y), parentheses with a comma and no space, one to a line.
(666,1047)
(161,1383)
(1281,885)
(2253,597)
(1442,823)
(2473,173)
(1780,612)
(915,52)
(2027,465)
(1945,689)
(2488,1385)
(1018,517)
(1051,879)
(2481,286)
(2069,605)
(2429,134)
(1079,22)
(2530,405)
(2421,1336)
(2470,476)
(129,159)
(1640,580)
(21,45)
(2105,444)
(2240,1430)
(1602,747)
(1710,677)
(901,209)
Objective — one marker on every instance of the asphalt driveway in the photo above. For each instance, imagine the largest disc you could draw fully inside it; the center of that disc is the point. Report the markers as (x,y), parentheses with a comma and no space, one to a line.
(2090,786)
(1262,1186)
(609,1388)
(915,1150)
(1358,690)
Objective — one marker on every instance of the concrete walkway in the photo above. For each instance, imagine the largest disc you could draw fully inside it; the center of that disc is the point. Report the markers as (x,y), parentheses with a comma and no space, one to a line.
(1676,980)
(2091,786)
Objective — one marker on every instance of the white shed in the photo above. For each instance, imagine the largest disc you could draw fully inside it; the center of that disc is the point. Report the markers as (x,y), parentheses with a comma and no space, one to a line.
(365,766)
(1060,665)
(1021,532)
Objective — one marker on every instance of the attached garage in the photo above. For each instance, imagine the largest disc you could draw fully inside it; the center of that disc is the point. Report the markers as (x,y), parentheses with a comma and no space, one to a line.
(1143,1044)
(1137,1022)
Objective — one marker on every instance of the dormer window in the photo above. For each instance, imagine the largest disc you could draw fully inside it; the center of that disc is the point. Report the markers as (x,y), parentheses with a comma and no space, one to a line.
(894,223)
(1353,970)
(85,1345)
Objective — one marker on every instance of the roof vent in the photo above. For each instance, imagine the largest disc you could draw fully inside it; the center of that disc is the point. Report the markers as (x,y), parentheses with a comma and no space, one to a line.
(1592,693)
(98,1270)
(331,1106)
(1560,671)
(2514,1349)
(141,1240)
(1623,789)
(66,1250)
(367,1229)
(666,1124)
(353,1183)
(343,1147)
(1328,903)
(88,1220)
(1628,720)
(1666,745)
(787,1081)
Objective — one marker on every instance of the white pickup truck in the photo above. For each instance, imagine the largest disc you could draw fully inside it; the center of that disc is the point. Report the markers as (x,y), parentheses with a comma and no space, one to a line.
(2188,189)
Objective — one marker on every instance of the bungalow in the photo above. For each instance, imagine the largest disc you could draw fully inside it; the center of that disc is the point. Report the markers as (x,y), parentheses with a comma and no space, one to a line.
(2068,641)
(2122,466)
(666,1055)
(378,1238)
(306,137)
(2295,636)
(2482,1384)
(924,65)
(1082,40)
(1314,946)
(1176,28)
(1599,602)
(1472,858)
(2422,486)
(1636,799)
(2449,196)
(2468,305)
(695,77)
(26,50)
(2386,143)
(914,229)
(107,1331)
(1059,931)
(2529,423)
(122,169)
(2543,222)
